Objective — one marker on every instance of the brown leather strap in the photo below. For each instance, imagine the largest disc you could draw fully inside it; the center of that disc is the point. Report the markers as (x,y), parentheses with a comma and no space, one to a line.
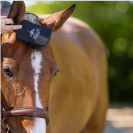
(31,111)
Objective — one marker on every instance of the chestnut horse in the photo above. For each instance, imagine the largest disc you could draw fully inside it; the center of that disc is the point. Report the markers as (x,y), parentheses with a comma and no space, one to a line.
(77,97)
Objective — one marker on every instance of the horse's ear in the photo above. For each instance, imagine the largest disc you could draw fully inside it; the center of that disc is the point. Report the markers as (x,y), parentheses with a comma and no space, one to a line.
(56,20)
(17,11)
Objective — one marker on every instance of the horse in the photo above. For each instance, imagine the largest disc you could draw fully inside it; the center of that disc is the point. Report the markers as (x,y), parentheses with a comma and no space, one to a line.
(77,97)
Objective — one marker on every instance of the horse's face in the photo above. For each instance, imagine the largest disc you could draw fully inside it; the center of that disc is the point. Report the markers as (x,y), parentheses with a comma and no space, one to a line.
(26,73)
(26,77)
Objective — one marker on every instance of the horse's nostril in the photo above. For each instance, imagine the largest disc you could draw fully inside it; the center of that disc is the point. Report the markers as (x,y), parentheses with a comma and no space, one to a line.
(8,72)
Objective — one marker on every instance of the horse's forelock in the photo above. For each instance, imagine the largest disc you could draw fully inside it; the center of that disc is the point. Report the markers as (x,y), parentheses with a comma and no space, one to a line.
(32,18)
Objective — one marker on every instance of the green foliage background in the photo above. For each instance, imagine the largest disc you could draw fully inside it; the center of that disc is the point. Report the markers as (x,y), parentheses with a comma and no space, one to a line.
(113,21)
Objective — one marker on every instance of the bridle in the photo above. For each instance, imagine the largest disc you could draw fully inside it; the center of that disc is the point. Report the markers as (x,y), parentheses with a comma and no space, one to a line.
(30,111)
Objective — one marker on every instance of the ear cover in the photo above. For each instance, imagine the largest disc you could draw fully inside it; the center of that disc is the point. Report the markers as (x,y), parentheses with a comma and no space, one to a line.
(17,12)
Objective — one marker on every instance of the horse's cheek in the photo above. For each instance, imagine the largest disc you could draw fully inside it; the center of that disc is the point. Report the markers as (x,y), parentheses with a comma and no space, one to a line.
(8,91)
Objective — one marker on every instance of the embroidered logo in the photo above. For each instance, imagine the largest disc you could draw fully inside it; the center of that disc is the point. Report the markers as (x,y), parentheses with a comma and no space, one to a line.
(34,33)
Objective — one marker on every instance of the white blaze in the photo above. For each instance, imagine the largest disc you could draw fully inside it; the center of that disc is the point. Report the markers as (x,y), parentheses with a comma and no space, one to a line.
(39,123)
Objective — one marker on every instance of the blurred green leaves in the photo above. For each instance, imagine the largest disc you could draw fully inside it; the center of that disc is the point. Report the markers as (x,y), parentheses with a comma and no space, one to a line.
(113,21)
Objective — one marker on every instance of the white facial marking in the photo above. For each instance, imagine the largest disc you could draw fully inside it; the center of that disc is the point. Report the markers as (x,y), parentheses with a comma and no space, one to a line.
(39,123)
(39,126)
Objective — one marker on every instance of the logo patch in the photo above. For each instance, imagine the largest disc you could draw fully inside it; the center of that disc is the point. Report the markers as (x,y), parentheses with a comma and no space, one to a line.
(35,32)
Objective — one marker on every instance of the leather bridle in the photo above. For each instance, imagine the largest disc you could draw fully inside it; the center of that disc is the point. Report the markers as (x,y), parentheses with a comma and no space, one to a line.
(30,111)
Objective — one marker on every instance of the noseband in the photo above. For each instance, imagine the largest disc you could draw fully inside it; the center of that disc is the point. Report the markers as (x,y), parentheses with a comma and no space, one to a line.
(30,111)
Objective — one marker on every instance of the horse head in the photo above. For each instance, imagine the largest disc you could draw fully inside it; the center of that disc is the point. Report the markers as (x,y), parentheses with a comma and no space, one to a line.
(27,71)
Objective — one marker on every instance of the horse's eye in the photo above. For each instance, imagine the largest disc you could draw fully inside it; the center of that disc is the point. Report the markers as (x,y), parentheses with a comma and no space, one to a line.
(57,72)
(8,72)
